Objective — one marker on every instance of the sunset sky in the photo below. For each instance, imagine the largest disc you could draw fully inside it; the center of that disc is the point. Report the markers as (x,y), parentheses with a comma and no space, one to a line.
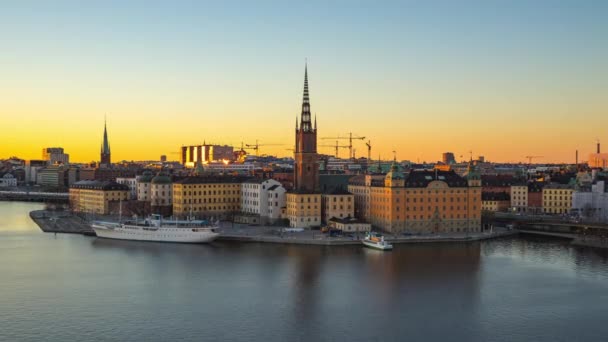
(505,79)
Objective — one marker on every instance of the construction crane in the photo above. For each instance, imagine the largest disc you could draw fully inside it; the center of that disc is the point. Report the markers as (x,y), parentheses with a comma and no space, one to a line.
(336,146)
(350,142)
(532,157)
(369,150)
(257,145)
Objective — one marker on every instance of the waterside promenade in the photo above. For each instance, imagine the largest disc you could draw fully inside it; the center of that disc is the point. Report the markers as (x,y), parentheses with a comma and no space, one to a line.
(60,222)
(64,222)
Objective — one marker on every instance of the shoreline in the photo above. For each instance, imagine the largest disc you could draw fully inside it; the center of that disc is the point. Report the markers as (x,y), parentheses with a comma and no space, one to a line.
(64,222)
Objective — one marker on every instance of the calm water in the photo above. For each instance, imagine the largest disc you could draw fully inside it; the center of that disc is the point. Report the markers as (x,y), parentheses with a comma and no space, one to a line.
(75,288)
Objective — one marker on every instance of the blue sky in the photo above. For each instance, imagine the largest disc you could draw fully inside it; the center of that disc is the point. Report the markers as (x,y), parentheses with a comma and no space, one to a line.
(398,72)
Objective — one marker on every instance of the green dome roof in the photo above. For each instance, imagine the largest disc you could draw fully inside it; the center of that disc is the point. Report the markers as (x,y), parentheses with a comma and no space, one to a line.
(161,178)
(394,172)
(146,177)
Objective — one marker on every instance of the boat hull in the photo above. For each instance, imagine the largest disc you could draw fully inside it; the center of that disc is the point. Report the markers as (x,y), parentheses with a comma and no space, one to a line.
(374,245)
(179,235)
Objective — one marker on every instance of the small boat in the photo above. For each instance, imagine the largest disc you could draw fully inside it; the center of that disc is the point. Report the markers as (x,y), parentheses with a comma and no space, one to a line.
(376,240)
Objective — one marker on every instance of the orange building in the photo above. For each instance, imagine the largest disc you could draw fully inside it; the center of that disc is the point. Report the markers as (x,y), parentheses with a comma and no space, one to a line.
(424,201)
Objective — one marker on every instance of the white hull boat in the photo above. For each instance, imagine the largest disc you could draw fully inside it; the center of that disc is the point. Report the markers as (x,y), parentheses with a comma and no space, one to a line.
(376,241)
(158,230)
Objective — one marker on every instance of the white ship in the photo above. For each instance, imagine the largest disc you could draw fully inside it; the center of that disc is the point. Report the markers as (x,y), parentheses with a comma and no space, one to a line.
(375,240)
(157,229)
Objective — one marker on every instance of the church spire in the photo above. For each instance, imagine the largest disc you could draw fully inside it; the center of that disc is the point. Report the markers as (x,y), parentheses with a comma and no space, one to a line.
(105,147)
(106,144)
(305,119)
(306,95)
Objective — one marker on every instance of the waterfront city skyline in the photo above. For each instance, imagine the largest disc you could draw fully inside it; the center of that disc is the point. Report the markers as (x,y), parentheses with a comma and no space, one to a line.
(417,79)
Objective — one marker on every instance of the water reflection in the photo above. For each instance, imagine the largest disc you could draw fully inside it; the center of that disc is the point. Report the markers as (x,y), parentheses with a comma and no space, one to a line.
(14,216)
(511,289)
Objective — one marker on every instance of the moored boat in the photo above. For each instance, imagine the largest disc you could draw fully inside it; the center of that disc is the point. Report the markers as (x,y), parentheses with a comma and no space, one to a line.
(376,240)
(159,230)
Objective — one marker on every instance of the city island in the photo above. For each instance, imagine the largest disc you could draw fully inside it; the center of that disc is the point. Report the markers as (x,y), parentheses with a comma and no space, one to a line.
(314,198)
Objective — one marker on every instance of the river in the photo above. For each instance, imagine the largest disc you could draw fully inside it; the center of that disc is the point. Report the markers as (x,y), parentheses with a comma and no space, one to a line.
(76,288)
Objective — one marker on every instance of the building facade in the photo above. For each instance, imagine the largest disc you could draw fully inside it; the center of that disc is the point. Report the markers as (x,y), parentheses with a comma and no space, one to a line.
(131,182)
(592,205)
(55,155)
(144,186)
(519,198)
(256,198)
(207,196)
(495,201)
(277,202)
(7,180)
(424,201)
(161,194)
(337,204)
(54,176)
(194,154)
(96,196)
(557,198)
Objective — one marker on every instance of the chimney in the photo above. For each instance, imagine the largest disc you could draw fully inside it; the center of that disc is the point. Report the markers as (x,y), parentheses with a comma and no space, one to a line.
(598,147)
(577,157)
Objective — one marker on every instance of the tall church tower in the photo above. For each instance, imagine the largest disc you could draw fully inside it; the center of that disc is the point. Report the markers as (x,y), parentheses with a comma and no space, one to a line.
(306,167)
(105,160)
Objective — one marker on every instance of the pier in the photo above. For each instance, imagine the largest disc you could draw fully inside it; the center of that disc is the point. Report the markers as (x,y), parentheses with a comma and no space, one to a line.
(65,222)
(60,222)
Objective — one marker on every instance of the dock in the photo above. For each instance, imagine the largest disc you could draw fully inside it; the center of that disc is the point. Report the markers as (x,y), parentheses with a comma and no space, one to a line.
(60,222)
(66,222)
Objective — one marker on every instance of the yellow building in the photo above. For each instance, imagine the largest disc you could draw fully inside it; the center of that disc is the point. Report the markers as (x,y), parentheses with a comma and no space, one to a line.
(425,201)
(495,201)
(557,199)
(359,186)
(303,209)
(339,204)
(96,196)
(211,196)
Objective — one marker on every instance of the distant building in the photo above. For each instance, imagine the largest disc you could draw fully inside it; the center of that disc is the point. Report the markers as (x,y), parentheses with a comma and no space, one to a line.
(207,196)
(557,198)
(349,224)
(592,205)
(96,196)
(337,204)
(519,197)
(144,186)
(535,197)
(54,176)
(276,202)
(55,155)
(426,201)
(7,180)
(360,187)
(193,154)
(161,194)
(448,158)
(598,160)
(256,198)
(163,158)
(31,169)
(131,182)
(495,201)
(498,183)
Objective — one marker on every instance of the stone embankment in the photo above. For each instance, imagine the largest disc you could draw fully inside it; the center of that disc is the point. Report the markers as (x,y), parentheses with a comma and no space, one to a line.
(60,222)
